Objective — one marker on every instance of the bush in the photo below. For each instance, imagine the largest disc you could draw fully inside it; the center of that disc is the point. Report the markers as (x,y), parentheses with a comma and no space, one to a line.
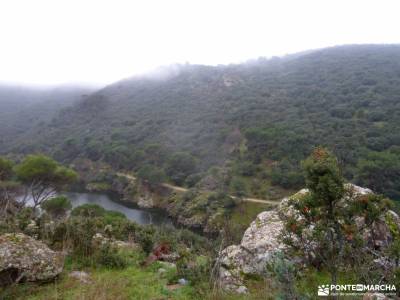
(88,210)
(57,206)
(111,258)
(151,175)
(6,169)
(194,268)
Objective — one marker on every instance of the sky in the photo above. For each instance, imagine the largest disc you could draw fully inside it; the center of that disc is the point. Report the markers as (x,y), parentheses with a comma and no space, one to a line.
(47,42)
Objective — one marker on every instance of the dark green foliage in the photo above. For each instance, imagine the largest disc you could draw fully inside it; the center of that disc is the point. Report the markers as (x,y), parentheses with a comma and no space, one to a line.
(151,175)
(94,210)
(380,171)
(43,177)
(238,187)
(57,206)
(36,168)
(287,175)
(284,271)
(265,112)
(180,166)
(325,219)
(88,210)
(110,257)
(323,177)
(40,169)
(193,268)
(6,169)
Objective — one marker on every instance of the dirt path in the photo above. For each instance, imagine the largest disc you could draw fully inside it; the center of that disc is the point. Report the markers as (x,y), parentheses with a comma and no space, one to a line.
(182,190)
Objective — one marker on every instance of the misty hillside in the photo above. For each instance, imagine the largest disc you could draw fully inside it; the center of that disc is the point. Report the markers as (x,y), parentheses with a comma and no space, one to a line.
(260,118)
(23,108)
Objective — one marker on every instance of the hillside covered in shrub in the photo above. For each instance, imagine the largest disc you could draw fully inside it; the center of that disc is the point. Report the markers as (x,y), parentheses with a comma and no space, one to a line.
(255,120)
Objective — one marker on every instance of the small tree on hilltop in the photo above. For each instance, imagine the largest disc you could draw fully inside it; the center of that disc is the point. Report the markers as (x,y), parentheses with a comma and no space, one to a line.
(42,177)
(321,224)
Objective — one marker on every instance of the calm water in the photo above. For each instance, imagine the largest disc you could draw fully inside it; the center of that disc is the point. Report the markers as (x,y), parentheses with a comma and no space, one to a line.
(132,212)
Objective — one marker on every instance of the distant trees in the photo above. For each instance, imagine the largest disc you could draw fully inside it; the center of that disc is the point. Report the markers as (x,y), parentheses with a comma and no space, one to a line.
(8,187)
(42,177)
(6,169)
(380,171)
(274,113)
(151,175)
(179,166)
(286,175)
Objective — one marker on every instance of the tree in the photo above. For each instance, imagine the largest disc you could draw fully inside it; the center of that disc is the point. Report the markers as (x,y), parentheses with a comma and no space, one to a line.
(323,220)
(8,188)
(381,172)
(151,175)
(6,169)
(180,166)
(238,186)
(43,178)
(57,206)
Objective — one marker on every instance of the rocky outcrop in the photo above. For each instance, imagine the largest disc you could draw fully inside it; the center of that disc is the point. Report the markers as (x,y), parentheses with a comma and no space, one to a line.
(80,276)
(261,241)
(145,200)
(99,240)
(23,258)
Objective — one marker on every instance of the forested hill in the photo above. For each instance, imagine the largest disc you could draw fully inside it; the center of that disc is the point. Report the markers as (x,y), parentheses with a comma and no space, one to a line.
(255,119)
(23,108)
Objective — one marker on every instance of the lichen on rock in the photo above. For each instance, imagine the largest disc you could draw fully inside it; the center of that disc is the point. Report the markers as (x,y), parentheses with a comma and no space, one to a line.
(262,240)
(24,258)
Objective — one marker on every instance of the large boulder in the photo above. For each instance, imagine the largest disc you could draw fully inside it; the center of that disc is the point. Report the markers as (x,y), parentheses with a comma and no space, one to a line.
(23,258)
(261,241)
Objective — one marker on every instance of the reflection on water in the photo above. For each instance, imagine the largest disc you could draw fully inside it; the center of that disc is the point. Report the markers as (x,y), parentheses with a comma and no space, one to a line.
(140,216)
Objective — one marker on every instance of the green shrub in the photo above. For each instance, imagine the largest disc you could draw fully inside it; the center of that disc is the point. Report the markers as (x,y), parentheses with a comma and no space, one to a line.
(111,216)
(193,268)
(110,257)
(57,206)
(88,210)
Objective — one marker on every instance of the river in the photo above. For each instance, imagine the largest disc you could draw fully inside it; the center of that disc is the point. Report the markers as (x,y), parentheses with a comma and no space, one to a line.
(113,202)
(131,211)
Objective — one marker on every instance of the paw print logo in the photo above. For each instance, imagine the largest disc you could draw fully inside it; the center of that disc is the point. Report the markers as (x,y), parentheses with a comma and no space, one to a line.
(323,290)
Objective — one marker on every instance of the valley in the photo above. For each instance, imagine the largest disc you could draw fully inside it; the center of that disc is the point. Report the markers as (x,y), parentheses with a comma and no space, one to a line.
(256,180)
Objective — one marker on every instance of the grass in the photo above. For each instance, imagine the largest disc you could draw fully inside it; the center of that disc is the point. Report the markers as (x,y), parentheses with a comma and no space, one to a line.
(130,283)
(311,278)
(133,282)
(245,212)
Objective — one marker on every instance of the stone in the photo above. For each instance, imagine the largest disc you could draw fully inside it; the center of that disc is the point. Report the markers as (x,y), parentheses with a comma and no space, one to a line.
(241,289)
(167,265)
(145,201)
(23,258)
(161,271)
(99,240)
(261,241)
(81,276)
(183,281)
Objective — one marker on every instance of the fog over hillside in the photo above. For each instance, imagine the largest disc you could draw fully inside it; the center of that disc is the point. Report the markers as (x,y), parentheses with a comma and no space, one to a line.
(199,150)
(344,97)
(24,107)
